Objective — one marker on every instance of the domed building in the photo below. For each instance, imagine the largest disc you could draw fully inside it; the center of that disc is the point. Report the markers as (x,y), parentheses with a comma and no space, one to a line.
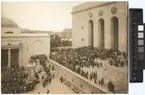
(18,46)
(8,23)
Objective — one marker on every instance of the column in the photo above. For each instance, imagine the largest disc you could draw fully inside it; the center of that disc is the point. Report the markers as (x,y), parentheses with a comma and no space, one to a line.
(20,58)
(9,58)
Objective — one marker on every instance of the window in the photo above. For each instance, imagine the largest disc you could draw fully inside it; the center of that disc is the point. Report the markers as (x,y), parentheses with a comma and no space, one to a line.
(9,43)
(9,32)
(82,27)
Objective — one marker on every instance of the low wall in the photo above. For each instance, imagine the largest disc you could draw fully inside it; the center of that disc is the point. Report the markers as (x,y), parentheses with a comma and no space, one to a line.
(83,83)
(73,86)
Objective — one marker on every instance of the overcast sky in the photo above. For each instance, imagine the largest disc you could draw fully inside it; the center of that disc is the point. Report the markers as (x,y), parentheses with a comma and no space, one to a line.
(54,16)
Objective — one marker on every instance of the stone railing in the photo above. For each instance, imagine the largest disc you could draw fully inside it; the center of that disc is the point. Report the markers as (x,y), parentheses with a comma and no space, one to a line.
(86,85)
(73,86)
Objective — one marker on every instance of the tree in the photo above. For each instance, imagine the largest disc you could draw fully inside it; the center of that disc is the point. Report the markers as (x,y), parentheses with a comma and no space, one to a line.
(55,41)
(66,43)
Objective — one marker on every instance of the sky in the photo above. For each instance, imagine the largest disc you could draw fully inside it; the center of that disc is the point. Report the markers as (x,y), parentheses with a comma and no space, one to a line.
(49,16)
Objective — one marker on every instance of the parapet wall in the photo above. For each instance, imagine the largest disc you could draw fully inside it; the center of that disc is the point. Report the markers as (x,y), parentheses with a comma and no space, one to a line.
(83,83)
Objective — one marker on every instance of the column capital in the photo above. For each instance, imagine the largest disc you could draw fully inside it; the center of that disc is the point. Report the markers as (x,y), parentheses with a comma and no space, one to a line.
(9,48)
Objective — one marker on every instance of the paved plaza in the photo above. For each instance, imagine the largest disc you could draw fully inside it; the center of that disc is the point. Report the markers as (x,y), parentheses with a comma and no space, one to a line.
(110,73)
(54,87)
(118,75)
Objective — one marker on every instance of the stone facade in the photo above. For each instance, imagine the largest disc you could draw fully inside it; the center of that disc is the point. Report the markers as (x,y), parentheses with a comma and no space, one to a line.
(27,44)
(98,17)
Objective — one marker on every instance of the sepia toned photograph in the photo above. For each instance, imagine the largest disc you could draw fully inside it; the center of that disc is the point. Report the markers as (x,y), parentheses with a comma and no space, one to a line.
(64,47)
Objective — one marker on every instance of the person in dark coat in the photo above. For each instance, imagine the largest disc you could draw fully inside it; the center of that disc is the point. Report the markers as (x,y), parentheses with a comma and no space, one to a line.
(53,76)
(48,91)
(42,77)
(102,81)
(111,86)
(44,83)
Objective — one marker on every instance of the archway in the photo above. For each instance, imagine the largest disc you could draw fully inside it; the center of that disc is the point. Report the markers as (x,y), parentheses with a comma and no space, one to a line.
(91,30)
(101,33)
(114,32)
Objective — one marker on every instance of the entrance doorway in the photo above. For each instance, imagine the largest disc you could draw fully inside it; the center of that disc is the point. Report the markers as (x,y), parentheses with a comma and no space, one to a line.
(14,57)
(4,58)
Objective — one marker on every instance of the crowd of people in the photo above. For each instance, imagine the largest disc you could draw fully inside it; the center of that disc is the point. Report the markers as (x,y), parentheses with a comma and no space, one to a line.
(76,59)
(45,79)
(84,56)
(14,80)
(42,59)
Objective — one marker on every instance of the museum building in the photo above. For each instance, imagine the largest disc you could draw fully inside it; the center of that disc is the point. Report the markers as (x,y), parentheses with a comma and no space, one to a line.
(100,24)
(17,46)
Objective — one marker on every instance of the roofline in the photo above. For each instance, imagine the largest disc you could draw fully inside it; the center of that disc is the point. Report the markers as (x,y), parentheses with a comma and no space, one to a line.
(22,36)
(95,6)
(26,35)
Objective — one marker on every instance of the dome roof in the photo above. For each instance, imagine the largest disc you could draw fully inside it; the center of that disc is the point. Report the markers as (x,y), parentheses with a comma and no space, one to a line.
(5,22)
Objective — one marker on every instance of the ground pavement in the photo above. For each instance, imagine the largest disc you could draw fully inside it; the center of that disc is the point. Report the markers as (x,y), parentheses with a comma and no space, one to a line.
(55,87)
(118,75)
